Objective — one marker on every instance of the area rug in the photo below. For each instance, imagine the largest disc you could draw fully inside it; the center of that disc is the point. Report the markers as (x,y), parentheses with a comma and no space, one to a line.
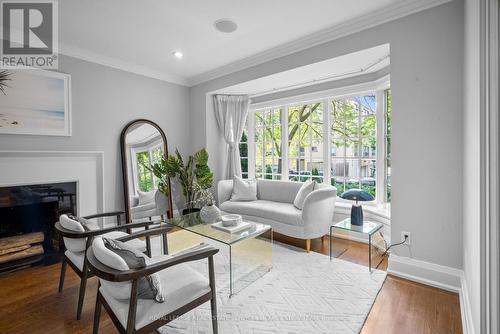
(303,293)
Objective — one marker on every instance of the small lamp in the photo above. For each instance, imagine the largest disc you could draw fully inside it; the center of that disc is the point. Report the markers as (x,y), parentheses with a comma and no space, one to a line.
(356,210)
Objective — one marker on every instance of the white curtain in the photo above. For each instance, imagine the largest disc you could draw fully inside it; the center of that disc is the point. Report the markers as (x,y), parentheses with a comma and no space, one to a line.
(231,113)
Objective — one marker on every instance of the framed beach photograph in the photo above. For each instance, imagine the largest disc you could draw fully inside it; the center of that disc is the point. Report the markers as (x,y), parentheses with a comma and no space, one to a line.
(36,102)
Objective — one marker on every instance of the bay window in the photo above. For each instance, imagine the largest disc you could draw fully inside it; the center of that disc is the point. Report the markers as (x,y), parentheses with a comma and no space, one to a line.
(387,137)
(341,140)
(144,179)
(243,146)
(268,155)
(305,142)
(353,143)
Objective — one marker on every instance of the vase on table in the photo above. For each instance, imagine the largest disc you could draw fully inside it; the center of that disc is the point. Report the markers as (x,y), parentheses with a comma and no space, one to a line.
(210,213)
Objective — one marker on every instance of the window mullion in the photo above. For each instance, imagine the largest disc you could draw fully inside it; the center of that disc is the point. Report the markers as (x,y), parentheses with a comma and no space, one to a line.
(381,149)
(360,144)
(284,142)
(251,145)
(327,145)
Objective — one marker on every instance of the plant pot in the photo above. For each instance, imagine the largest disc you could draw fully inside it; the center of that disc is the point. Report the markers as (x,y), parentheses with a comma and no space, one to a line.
(188,211)
(210,214)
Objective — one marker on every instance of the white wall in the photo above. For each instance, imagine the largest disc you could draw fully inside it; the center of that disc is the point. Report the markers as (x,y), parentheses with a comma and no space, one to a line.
(104,100)
(426,79)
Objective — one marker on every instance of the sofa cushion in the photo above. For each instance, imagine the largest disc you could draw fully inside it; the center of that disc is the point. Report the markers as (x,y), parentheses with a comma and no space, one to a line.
(305,190)
(284,213)
(146,197)
(244,190)
(277,191)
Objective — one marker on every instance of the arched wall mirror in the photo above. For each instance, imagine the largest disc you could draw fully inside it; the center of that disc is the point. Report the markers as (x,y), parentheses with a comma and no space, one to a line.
(143,143)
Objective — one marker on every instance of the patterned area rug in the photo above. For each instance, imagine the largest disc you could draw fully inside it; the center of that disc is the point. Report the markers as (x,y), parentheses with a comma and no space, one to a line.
(303,293)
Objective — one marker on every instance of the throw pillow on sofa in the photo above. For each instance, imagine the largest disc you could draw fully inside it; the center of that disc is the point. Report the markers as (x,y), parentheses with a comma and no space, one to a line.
(305,190)
(146,197)
(244,190)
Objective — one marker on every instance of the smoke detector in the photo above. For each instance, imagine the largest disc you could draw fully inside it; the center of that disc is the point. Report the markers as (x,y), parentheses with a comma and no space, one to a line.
(225,25)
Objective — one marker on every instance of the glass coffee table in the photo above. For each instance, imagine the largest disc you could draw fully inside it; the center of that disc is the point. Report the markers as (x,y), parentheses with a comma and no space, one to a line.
(369,229)
(250,254)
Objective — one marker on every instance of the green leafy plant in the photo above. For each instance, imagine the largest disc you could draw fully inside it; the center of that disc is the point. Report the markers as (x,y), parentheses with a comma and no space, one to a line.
(194,175)
(4,77)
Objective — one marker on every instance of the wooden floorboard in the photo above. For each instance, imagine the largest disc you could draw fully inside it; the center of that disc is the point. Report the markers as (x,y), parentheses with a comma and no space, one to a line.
(30,303)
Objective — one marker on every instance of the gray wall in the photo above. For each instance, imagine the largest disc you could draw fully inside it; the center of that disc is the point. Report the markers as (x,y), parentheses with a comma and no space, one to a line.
(426,80)
(104,100)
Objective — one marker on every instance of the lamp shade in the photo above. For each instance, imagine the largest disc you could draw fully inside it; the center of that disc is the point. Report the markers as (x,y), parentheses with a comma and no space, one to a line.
(357,195)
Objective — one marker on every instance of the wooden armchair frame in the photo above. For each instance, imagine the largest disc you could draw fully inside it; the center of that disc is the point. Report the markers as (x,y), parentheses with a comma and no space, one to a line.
(84,274)
(102,271)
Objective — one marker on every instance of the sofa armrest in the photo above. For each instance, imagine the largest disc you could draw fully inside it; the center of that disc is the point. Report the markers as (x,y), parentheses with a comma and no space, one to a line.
(224,191)
(318,210)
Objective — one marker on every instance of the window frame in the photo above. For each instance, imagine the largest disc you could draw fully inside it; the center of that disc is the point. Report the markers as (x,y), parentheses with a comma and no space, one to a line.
(377,88)
(133,154)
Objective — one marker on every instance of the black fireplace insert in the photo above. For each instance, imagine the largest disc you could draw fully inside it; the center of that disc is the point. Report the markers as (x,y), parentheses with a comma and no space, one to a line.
(27,217)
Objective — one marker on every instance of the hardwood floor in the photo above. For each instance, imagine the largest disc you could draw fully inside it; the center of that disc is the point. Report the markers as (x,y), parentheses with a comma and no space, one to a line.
(30,303)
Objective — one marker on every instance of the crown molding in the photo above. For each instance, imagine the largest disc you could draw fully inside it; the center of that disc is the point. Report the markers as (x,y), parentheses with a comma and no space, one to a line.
(122,65)
(372,19)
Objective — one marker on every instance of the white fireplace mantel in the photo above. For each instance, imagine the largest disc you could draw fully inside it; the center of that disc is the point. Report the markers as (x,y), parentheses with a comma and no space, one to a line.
(38,167)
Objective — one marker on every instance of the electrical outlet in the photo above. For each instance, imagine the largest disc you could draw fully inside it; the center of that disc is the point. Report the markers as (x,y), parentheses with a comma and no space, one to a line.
(408,237)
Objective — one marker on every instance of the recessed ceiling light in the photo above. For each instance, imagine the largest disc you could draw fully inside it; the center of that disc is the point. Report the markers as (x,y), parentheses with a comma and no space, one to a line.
(178,54)
(225,25)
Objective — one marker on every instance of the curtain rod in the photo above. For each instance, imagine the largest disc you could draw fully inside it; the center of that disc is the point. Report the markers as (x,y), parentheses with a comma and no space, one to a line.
(320,80)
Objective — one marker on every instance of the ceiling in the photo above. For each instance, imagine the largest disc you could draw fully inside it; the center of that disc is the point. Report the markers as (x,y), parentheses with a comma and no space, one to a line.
(140,36)
(142,133)
(346,66)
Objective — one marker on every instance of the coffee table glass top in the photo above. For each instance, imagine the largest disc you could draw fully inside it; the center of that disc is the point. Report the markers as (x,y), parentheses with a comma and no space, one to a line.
(194,223)
(367,228)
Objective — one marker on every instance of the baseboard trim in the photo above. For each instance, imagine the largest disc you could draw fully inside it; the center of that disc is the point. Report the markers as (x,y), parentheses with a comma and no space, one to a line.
(428,273)
(465,307)
(438,276)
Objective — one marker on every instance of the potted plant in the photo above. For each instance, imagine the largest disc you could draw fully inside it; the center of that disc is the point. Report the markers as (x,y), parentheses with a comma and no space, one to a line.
(194,176)
(4,77)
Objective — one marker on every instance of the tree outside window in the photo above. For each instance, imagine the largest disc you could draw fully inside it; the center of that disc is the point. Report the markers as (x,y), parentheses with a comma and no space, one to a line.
(244,153)
(354,141)
(145,178)
(351,150)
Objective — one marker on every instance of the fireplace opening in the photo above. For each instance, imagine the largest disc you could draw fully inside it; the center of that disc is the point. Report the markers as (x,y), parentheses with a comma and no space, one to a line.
(27,217)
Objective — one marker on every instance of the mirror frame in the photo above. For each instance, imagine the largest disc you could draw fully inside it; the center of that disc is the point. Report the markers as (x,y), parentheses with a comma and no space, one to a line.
(126,190)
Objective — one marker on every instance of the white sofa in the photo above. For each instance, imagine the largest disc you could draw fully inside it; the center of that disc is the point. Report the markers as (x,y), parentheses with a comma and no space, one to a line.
(274,206)
(156,206)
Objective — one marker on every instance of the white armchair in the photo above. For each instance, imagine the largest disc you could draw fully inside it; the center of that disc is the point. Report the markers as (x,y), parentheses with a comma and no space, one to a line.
(274,206)
(181,287)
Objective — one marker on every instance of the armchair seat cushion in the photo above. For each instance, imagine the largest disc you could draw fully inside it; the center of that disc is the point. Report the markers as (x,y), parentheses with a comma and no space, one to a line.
(284,213)
(180,285)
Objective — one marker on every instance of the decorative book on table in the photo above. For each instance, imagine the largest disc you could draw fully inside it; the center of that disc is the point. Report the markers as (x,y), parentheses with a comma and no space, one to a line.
(231,229)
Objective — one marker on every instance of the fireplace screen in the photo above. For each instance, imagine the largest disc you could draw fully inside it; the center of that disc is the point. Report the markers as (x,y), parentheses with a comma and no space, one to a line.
(27,217)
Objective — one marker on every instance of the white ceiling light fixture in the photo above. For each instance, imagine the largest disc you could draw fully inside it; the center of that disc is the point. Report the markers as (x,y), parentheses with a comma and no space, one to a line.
(178,54)
(225,25)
